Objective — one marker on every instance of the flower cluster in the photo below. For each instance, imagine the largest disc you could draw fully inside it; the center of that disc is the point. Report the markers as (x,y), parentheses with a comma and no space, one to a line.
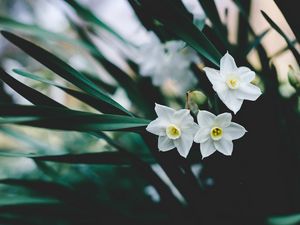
(177,129)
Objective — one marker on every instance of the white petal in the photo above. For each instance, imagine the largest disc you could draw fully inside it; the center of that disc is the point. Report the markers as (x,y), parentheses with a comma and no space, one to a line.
(205,118)
(207,148)
(230,100)
(227,64)
(224,146)
(157,127)
(243,69)
(165,143)
(220,86)
(213,75)
(164,112)
(191,129)
(247,77)
(223,120)
(202,135)
(182,116)
(248,92)
(184,144)
(234,131)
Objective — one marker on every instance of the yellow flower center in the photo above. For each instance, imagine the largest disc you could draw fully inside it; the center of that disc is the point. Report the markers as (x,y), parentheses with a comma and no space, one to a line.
(173,132)
(216,133)
(233,82)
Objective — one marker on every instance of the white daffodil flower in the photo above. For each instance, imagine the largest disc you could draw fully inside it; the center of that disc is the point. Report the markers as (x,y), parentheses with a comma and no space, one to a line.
(232,83)
(165,62)
(215,133)
(175,129)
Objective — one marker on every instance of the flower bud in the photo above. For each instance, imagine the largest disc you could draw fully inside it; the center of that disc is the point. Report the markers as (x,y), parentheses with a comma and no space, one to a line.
(294,77)
(194,99)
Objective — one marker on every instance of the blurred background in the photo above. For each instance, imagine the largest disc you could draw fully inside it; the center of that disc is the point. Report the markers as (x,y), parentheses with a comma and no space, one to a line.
(263,181)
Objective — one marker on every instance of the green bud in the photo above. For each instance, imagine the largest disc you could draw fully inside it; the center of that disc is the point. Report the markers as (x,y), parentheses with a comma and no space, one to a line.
(294,78)
(194,99)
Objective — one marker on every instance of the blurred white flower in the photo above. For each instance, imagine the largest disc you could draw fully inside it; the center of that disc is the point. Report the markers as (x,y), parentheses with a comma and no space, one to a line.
(174,128)
(169,61)
(232,83)
(215,133)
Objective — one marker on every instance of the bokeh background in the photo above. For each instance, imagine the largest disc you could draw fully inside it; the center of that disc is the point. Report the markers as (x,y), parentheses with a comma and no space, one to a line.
(260,180)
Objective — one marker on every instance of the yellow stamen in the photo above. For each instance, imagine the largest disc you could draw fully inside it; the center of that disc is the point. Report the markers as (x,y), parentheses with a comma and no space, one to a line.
(233,82)
(216,133)
(173,132)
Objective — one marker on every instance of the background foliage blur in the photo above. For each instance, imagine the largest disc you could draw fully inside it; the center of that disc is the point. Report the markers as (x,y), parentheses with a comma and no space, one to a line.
(69,177)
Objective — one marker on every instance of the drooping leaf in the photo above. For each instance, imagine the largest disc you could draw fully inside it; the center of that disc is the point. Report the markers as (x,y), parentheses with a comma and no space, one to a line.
(64,70)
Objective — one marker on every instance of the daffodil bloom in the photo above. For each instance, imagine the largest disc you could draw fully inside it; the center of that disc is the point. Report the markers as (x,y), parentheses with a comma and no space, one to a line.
(175,129)
(232,83)
(215,133)
(167,63)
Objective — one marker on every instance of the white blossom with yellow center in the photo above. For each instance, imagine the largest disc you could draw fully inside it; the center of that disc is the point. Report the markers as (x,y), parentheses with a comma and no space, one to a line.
(215,133)
(175,129)
(232,83)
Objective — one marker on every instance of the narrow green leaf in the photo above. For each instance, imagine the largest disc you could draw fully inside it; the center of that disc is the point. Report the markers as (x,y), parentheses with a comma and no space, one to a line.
(109,88)
(86,98)
(20,200)
(28,93)
(63,119)
(284,220)
(89,16)
(64,70)
(288,41)
(103,158)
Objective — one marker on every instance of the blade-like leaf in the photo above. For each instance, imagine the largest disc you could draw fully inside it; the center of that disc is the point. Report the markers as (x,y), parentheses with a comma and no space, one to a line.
(28,93)
(108,158)
(64,70)
(288,41)
(63,119)
(20,200)
(86,98)
(89,16)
